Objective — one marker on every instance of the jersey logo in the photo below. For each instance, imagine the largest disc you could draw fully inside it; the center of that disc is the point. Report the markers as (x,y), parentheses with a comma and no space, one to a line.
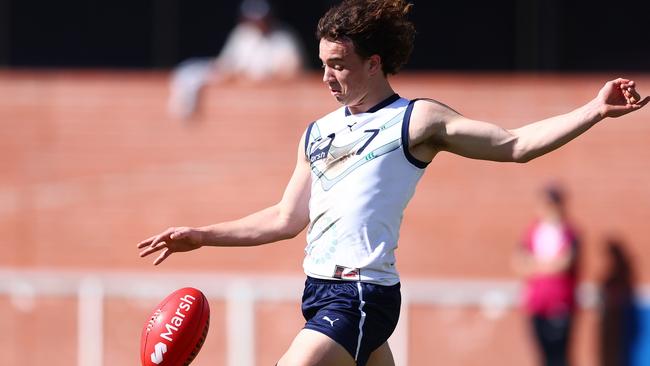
(338,152)
(330,180)
(330,320)
(331,163)
(320,152)
(347,273)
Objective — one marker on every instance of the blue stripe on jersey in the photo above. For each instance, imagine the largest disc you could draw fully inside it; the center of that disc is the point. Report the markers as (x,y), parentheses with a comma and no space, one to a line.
(379,106)
(405,137)
(307,139)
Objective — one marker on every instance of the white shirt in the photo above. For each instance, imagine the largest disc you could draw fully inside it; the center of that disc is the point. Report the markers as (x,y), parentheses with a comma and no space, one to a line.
(362,179)
(248,51)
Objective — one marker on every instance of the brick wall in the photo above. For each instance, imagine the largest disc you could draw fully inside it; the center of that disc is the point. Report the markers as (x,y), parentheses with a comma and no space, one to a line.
(91,164)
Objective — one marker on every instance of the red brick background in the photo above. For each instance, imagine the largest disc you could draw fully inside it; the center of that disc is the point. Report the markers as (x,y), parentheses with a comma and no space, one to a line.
(91,164)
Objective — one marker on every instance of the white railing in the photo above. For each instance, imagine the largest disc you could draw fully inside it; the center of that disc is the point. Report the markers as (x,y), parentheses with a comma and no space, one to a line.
(240,292)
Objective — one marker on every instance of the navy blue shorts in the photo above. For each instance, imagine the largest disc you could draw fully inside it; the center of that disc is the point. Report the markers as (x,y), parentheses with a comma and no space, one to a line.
(359,316)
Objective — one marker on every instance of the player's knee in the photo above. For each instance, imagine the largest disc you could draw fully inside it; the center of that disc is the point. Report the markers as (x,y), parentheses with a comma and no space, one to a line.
(310,359)
(298,361)
(288,362)
(292,359)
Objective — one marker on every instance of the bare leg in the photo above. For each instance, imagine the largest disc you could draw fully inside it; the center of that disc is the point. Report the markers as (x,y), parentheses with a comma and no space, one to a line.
(382,356)
(311,348)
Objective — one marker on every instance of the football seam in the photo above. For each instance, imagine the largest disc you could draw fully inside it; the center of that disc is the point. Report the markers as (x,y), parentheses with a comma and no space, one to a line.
(201,340)
(199,344)
(156,313)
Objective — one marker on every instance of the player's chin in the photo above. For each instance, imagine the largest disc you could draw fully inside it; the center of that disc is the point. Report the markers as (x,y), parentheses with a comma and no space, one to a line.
(339,97)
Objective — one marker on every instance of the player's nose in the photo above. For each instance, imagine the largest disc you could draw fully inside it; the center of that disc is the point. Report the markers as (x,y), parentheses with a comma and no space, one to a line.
(327,74)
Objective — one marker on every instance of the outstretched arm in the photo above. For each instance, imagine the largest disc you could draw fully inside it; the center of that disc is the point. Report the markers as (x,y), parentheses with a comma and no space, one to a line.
(436,127)
(282,221)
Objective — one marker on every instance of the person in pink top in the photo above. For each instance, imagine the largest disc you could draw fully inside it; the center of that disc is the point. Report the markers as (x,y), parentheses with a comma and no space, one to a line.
(548,259)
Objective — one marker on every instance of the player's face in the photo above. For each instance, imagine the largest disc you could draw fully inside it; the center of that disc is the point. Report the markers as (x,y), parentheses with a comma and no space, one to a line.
(345,73)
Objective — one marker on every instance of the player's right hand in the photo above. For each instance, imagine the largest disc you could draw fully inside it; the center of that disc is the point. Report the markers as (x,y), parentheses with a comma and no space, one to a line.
(619,97)
(172,240)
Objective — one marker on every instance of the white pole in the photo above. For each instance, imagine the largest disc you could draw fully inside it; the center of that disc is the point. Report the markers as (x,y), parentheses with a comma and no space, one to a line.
(90,322)
(240,325)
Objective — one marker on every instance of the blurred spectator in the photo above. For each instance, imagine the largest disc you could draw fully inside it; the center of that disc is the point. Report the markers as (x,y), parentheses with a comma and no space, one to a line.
(258,48)
(548,259)
(618,326)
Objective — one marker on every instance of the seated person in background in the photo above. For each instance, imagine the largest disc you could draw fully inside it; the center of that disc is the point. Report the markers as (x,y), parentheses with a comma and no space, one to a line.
(259,48)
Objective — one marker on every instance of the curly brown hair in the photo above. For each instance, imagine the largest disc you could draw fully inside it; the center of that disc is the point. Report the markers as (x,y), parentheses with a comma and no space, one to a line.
(375,27)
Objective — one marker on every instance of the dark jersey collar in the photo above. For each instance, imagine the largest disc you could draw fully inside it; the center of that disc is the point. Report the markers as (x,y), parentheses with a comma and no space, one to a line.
(379,106)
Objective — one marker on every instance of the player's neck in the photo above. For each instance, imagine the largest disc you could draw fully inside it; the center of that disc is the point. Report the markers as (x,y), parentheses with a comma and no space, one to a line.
(377,93)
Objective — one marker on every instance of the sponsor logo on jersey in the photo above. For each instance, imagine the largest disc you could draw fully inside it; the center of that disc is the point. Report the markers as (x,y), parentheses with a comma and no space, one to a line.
(322,148)
(347,273)
(328,319)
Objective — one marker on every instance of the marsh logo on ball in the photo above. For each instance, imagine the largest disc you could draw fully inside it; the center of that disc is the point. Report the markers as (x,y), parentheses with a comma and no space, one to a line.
(176,330)
(159,350)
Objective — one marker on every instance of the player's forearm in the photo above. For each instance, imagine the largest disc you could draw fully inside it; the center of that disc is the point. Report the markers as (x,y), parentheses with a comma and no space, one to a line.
(263,227)
(539,138)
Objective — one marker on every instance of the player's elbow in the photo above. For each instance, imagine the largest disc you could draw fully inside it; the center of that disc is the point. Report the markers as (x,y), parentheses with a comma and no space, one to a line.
(289,227)
(522,152)
(522,157)
(287,233)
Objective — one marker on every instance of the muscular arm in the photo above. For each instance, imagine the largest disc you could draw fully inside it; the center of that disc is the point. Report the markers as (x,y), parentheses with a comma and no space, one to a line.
(436,127)
(283,220)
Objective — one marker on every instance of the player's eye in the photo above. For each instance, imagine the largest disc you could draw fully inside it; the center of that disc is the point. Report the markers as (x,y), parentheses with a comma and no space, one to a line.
(337,67)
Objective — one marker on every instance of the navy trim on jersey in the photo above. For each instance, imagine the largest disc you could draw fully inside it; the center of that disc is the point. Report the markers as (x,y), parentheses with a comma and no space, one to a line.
(307,139)
(405,137)
(379,106)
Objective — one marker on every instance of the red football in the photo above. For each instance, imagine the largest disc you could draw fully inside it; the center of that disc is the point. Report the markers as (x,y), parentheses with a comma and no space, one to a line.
(176,330)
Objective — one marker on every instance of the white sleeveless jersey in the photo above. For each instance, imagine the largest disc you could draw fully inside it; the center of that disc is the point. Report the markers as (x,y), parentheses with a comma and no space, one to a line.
(362,179)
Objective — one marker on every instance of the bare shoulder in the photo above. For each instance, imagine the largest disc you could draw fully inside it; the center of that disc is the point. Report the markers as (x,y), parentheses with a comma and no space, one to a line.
(432,106)
(428,120)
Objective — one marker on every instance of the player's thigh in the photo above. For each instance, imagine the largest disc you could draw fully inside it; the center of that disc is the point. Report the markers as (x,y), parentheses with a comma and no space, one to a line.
(382,356)
(311,348)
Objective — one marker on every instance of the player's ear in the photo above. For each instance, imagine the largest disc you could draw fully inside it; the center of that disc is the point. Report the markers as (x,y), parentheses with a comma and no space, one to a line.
(374,64)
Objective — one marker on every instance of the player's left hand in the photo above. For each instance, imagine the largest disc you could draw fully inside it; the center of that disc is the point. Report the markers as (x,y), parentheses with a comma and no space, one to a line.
(172,240)
(619,97)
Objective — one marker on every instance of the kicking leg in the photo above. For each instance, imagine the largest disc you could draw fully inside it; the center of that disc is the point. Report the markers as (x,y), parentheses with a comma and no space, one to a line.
(311,348)
(382,356)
